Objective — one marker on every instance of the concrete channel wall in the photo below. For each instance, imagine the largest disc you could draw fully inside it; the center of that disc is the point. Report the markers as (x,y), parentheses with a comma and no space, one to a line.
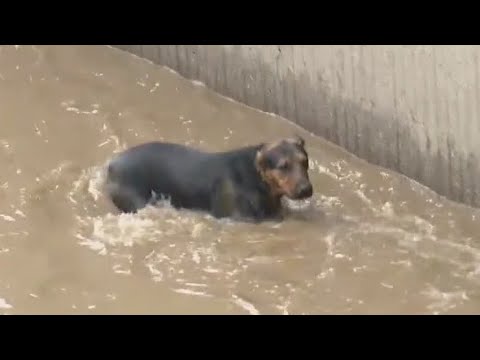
(413,109)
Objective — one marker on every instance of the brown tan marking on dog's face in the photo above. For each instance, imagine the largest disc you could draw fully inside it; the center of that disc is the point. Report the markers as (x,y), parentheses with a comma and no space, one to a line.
(284,167)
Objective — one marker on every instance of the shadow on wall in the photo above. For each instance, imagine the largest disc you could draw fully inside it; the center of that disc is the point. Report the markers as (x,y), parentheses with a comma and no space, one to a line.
(390,142)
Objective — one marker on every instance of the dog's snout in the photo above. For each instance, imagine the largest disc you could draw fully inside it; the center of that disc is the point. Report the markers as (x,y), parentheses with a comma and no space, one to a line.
(305,190)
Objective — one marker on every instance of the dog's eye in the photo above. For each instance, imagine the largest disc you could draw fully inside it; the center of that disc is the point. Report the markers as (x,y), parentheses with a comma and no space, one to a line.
(283,166)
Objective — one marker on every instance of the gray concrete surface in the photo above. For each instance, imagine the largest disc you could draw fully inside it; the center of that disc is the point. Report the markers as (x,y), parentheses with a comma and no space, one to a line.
(413,109)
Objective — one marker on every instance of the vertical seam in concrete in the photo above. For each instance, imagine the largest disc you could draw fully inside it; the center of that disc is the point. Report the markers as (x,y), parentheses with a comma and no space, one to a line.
(277,90)
(243,92)
(395,109)
(458,159)
(440,140)
(196,71)
(413,121)
(224,70)
(372,88)
(352,114)
(294,84)
(266,94)
(363,90)
(344,106)
(448,113)
(283,88)
(428,116)
(178,60)
(335,111)
(477,119)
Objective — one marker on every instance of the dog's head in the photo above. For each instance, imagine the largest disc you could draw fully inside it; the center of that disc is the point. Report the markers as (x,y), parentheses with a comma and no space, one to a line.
(283,165)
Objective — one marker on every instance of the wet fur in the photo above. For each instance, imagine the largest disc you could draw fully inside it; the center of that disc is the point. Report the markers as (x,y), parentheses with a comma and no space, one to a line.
(225,184)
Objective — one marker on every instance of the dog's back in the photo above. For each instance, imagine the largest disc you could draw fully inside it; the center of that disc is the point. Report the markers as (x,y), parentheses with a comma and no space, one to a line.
(173,171)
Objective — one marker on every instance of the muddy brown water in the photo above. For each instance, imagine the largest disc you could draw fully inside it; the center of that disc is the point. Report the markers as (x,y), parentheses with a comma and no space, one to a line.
(368,242)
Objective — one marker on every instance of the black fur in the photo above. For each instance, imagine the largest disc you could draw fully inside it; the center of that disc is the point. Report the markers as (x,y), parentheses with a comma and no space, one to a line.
(225,184)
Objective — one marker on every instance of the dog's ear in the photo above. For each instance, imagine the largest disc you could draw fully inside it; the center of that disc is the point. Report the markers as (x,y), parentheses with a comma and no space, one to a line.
(297,140)
(260,156)
(263,158)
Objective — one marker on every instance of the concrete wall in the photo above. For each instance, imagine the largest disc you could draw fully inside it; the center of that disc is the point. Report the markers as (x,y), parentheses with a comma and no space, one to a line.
(413,109)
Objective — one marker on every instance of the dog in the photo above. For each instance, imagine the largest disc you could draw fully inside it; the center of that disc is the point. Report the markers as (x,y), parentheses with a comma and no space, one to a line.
(247,183)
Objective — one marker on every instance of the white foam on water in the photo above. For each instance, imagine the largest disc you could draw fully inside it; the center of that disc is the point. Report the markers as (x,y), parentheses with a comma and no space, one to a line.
(95,183)
(364,198)
(96,246)
(7,218)
(249,307)
(198,83)
(13,233)
(5,144)
(119,270)
(196,285)
(4,304)
(385,285)
(444,301)
(192,292)
(157,275)
(155,87)
(20,213)
(171,70)
(126,229)
(321,169)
